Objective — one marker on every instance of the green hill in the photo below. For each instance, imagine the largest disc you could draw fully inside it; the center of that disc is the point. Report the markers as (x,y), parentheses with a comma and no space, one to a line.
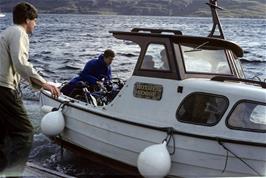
(233,8)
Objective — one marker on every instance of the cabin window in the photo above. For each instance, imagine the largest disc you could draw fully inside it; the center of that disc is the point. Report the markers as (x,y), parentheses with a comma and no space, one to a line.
(201,59)
(202,109)
(155,58)
(248,115)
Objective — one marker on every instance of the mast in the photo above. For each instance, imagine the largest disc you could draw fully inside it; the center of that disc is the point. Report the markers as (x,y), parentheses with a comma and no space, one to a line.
(215,20)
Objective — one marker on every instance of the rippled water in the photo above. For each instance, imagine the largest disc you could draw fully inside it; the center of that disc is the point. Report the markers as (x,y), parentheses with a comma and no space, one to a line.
(62,44)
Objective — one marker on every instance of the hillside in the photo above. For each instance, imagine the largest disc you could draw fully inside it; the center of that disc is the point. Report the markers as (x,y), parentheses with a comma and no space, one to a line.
(233,8)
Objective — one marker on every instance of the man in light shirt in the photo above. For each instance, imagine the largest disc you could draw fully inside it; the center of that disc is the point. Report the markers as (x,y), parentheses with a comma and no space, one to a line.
(16,131)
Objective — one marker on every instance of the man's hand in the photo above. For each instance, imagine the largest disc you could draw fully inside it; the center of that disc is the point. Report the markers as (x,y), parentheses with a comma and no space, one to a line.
(53,89)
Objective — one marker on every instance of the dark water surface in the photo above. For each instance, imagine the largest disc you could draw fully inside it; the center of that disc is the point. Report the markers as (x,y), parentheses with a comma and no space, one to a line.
(62,44)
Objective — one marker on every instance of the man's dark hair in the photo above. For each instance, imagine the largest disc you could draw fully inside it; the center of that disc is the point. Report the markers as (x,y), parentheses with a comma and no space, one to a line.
(23,11)
(109,53)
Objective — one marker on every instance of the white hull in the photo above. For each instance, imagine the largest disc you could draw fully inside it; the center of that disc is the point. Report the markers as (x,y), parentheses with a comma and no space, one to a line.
(123,141)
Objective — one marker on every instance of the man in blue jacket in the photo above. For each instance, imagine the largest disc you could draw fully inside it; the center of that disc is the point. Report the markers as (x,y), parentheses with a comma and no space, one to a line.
(93,73)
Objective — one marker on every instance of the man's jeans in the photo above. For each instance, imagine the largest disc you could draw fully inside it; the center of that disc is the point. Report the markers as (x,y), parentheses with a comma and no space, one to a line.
(16,133)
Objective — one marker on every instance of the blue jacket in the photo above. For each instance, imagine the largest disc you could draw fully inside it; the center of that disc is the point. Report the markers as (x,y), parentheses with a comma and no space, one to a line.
(94,70)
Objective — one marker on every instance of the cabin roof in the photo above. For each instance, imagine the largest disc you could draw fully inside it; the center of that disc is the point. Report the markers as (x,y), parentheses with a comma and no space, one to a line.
(179,38)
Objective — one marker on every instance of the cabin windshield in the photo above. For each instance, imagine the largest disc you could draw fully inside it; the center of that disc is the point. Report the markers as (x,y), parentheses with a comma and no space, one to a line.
(202,59)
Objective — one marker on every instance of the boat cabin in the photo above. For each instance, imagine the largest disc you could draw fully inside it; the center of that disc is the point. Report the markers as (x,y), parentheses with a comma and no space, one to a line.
(175,56)
(168,54)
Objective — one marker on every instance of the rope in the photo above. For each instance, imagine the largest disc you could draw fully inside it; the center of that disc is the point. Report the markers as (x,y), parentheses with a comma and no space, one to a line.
(226,160)
(169,137)
(62,105)
(227,149)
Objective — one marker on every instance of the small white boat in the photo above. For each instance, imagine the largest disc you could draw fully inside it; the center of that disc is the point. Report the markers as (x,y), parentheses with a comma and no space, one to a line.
(199,102)
(2,15)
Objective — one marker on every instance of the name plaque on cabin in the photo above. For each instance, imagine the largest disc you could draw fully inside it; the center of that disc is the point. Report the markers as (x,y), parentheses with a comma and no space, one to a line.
(148,91)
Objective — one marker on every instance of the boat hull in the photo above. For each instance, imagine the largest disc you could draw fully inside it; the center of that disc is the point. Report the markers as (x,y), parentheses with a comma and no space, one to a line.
(118,139)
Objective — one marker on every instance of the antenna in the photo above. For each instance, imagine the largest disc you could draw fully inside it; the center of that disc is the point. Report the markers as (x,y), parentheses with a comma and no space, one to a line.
(215,20)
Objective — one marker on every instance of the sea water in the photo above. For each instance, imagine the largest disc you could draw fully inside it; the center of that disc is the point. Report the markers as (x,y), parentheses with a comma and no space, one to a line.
(62,44)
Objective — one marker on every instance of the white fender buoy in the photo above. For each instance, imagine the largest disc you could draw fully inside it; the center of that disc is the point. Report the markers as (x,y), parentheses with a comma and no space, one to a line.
(154,161)
(53,123)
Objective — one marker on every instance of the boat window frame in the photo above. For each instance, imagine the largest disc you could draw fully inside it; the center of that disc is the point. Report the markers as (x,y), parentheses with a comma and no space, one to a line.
(172,74)
(203,124)
(238,66)
(156,70)
(234,65)
(231,64)
(233,109)
(186,73)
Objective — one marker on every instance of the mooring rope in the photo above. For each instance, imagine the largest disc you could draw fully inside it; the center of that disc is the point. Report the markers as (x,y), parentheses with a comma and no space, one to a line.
(62,105)
(169,137)
(228,150)
(226,160)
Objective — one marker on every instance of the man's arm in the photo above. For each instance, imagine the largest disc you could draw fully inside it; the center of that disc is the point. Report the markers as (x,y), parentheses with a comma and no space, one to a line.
(53,89)
(19,46)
